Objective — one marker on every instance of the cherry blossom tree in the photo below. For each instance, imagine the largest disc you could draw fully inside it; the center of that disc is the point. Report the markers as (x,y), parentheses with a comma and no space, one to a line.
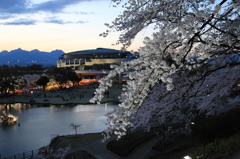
(186,68)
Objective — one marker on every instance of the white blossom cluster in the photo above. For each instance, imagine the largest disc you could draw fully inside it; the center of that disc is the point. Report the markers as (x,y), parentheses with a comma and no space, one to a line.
(191,97)
(31,80)
(191,37)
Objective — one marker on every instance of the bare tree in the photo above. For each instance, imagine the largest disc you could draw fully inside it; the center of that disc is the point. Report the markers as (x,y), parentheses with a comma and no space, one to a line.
(75,127)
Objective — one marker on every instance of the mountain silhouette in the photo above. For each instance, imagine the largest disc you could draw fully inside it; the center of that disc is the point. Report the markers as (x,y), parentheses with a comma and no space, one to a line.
(23,57)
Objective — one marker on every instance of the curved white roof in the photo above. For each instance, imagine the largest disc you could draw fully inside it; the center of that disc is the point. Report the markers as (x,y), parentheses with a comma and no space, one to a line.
(99,50)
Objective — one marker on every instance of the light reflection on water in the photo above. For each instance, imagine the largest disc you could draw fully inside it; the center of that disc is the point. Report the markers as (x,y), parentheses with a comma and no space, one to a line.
(39,124)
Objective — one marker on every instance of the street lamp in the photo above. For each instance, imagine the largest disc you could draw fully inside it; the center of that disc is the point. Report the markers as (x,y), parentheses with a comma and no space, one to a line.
(187,157)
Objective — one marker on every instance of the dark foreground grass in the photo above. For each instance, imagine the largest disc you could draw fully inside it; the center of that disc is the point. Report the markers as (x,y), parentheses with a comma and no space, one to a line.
(219,149)
(177,146)
(75,141)
(127,144)
(80,154)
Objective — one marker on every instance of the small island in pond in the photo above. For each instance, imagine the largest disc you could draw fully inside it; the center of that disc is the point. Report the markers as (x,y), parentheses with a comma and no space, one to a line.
(7,119)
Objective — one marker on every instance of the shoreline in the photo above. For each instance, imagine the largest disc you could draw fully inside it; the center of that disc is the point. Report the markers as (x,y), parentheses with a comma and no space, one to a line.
(75,95)
(56,102)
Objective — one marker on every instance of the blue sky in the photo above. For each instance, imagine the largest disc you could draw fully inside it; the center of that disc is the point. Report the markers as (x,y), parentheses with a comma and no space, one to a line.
(68,25)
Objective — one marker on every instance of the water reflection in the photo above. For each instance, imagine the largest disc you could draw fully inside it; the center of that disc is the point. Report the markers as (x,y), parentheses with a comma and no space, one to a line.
(39,124)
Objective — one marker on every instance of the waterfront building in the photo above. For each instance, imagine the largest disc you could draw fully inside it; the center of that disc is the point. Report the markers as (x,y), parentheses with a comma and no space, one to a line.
(92,63)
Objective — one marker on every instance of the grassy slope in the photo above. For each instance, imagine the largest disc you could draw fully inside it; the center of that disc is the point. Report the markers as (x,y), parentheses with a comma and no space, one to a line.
(75,141)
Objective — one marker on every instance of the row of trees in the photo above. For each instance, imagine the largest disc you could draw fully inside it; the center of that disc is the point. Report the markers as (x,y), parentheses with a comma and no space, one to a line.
(60,75)
(15,77)
(187,68)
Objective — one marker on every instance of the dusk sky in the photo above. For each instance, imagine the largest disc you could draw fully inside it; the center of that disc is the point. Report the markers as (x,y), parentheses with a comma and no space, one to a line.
(68,25)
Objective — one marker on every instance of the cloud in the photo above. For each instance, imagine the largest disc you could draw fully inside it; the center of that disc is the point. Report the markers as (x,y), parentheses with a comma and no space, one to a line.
(6,16)
(81,22)
(56,20)
(55,6)
(82,13)
(27,6)
(10,9)
(20,22)
(14,6)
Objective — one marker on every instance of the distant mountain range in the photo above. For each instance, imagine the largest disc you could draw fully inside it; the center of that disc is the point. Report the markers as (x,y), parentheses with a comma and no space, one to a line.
(23,57)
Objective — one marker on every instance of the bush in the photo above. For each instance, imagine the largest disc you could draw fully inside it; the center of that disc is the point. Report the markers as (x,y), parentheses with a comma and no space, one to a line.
(217,127)
(218,149)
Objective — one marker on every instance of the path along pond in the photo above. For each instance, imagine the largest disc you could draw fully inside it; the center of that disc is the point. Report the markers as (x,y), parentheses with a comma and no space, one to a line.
(39,124)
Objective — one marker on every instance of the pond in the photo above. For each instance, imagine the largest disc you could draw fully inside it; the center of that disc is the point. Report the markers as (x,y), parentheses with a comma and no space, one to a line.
(39,124)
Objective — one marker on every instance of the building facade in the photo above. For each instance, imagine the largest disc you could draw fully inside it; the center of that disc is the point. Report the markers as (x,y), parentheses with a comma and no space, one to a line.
(91,63)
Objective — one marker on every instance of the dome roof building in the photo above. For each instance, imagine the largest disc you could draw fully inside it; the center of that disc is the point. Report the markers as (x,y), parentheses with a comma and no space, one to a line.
(89,63)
